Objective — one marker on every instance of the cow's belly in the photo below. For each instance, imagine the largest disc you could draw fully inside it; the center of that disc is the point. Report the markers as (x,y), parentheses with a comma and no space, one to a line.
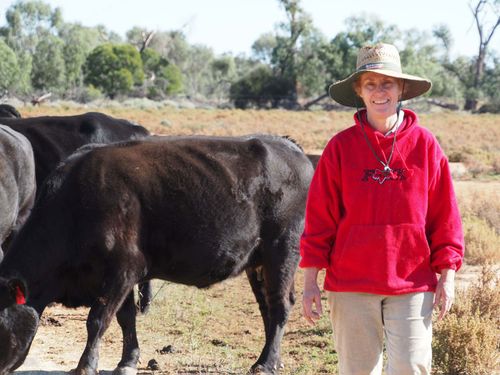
(204,264)
(205,246)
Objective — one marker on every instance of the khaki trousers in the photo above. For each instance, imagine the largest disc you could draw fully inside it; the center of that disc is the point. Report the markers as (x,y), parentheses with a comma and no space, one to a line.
(360,322)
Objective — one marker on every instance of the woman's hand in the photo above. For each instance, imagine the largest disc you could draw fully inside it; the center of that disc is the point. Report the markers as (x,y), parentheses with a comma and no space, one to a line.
(311,296)
(445,292)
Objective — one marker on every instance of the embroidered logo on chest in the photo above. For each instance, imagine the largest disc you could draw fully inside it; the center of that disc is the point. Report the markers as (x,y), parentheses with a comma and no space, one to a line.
(381,176)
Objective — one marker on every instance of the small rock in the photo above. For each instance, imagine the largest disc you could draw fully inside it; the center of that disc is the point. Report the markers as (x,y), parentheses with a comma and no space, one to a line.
(217,342)
(153,365)
(49,321)
(167,350)
(458,170)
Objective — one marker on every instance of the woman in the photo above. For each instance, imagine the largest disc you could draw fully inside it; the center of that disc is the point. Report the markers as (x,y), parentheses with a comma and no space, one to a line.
(382,219)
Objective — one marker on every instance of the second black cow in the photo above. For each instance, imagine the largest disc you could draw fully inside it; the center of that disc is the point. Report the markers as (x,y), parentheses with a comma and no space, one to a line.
(54,138)
(191,210)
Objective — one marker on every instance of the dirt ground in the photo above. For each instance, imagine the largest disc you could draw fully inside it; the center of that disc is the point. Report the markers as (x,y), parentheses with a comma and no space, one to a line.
(61,337)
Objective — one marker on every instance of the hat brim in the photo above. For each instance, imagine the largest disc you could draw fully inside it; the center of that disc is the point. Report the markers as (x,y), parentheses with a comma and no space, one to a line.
(343,91)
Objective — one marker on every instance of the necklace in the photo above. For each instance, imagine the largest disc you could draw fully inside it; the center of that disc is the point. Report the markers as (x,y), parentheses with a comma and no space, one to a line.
(387,172)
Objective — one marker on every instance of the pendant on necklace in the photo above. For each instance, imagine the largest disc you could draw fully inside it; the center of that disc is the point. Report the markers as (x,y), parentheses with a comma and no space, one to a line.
(382,176)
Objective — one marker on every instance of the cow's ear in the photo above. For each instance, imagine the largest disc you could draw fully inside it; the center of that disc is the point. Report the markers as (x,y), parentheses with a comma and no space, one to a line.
(18,291)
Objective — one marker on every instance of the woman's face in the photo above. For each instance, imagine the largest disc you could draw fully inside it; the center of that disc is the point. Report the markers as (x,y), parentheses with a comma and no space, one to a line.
(380,93)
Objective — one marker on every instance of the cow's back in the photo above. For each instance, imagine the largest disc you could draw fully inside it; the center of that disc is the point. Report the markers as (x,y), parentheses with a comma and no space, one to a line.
(53,138)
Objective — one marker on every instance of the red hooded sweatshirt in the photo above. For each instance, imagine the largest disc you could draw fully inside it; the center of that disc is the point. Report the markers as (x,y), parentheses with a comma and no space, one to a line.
(382,233)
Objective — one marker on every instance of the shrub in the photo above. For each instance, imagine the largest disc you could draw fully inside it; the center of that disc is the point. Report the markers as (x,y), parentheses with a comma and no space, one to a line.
(261,88)
(483,204)
(481,241)
(467,340)
(88,94)
(114,69)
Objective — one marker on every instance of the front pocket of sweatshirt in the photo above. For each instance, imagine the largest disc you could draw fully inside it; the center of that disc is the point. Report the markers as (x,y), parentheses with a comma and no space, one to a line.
(392,256)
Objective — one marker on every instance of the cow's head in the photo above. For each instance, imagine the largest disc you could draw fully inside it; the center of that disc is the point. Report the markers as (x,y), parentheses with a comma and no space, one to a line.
(18,325)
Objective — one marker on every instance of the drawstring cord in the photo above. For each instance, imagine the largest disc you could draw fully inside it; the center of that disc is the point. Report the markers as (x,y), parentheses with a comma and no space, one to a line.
(387,169)
(386,165)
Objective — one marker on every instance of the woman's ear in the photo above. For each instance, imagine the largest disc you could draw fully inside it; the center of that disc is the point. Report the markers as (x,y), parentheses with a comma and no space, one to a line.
(356,87)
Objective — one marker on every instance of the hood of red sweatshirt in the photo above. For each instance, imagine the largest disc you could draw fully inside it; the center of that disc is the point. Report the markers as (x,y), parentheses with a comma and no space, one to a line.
(410,120)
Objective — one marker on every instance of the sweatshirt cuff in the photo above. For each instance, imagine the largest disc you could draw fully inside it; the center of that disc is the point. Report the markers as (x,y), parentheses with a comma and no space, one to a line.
(455,267)
(319,263)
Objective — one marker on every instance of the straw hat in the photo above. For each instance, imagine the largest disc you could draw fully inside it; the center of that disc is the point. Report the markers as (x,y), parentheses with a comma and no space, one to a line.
(382,59)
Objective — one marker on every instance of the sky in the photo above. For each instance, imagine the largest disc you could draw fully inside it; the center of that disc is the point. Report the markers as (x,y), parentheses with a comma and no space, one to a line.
(233,25)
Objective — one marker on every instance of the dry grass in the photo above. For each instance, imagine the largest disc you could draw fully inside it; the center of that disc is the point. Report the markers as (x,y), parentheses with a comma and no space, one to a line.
(220,331)
(467,341)
(480,210)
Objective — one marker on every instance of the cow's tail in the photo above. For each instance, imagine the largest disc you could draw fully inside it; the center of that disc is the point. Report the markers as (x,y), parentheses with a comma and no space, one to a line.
(145,297)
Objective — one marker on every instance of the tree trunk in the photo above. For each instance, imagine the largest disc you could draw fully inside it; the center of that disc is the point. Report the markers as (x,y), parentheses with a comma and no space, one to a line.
(314,101)
(470,104)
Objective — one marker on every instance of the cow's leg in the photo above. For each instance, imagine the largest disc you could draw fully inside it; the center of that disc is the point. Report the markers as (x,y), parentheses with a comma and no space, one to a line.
(255,277)
(274,292)
(126,319)
(100,315)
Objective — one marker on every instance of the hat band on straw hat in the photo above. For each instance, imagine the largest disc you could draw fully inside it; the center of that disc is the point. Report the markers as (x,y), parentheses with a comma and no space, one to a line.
(380,65)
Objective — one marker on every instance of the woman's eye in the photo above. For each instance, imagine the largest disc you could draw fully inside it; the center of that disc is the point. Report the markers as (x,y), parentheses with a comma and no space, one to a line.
(388,85)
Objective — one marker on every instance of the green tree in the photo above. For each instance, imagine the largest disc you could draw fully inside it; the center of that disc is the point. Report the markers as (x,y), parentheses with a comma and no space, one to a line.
(491,85)
(285,54)
(162,77)
(264,46)
(172,79)
(486,27)
(9,69)
(311,69)
(48,73)
(293,53)
(79,41)
(114,69)
(260,88)
(197,70)
(443,34)
(172,45)
(28,22)
(421,56)
(471,72)
(188,69)
(224,73)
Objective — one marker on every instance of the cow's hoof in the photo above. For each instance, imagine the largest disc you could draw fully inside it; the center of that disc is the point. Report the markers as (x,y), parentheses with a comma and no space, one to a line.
(125,370)
(258,369)
(84,371)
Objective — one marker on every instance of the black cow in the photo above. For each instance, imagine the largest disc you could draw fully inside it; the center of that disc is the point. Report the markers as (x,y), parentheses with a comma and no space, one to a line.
(17,183)
(191,210)
(54,138)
